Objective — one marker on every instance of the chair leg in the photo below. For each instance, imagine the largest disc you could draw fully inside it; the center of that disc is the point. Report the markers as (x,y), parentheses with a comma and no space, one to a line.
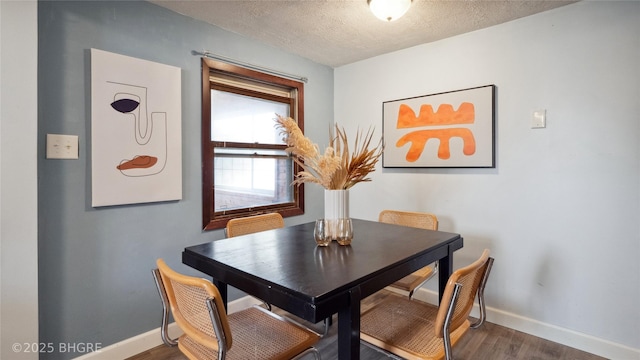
(165,310)
(481,304)
(447,322)
(217,328)
(327,325)
(311,350)
(435,271)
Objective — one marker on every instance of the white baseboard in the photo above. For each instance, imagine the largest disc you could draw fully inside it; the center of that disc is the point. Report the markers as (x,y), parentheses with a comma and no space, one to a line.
(574,339)
(143,342)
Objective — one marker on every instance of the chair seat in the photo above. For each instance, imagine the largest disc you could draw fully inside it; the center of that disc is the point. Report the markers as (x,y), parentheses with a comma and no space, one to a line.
(411,281)
(257,334)
(392,325)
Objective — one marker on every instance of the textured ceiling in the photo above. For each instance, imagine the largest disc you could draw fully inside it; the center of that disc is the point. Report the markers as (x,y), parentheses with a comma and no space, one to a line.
(339,32)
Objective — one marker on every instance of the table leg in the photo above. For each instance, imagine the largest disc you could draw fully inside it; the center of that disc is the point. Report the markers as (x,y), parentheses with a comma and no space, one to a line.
(349,327)
(445,268)
(222,288)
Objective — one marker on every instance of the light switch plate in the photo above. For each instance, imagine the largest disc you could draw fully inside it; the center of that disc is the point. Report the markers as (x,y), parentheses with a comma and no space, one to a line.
(539,119)
(62,146)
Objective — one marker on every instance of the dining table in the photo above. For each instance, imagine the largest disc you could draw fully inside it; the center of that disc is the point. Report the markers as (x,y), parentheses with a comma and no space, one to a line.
(284,267)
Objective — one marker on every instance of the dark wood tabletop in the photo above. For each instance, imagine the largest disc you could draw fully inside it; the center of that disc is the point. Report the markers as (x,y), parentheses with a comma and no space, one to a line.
(285,268)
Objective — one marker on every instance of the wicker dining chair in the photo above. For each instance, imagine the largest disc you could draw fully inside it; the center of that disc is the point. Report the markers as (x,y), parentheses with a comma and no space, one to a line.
(256,223)
(235,227)
(413,329)
(253,224)
(415,280)
(209,333)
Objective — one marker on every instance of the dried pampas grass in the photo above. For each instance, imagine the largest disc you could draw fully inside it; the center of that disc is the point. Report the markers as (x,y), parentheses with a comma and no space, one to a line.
(336,168)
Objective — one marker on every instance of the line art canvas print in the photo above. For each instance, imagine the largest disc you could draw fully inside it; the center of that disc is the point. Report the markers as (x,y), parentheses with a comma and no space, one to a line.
(136,150)
(450,129)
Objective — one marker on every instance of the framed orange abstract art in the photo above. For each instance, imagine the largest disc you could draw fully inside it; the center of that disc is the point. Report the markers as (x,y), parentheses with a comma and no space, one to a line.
(449,129)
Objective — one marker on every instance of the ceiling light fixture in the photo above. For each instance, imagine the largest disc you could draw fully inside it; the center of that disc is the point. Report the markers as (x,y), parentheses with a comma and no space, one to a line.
(389,10)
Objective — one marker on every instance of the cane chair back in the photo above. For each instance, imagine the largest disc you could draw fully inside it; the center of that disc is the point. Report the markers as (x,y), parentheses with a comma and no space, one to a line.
(209,333)
(415,280)
(420,220)
(413,329)
(253,224)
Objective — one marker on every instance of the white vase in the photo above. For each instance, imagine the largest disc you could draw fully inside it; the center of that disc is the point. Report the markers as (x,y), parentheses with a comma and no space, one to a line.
(336,206)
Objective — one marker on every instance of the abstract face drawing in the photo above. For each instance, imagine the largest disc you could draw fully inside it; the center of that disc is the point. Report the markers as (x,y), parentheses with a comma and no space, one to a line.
(131,102)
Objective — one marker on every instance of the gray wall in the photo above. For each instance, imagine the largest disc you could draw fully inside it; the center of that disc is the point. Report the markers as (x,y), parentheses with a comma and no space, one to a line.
(560,210)
(94,280)
(556,196)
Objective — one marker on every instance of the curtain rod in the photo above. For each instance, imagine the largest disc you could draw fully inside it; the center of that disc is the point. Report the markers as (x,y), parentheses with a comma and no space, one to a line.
(249,66)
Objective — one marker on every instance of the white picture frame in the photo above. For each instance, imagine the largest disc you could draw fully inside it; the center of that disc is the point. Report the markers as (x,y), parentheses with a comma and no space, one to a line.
(136,130)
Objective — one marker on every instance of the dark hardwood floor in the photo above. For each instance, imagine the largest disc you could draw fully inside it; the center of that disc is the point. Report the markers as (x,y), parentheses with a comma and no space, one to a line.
(490,342)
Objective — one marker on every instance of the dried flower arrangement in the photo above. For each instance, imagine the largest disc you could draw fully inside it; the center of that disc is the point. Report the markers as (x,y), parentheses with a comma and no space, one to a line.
(336,168)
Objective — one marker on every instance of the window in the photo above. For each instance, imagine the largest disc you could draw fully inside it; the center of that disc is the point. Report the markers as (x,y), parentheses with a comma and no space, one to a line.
(245,169)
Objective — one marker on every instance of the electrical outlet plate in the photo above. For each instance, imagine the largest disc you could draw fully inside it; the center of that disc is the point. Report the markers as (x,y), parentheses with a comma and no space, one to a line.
(539,119)
(62,146)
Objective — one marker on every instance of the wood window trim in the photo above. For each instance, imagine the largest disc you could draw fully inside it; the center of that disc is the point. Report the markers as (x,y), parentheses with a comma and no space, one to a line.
(210,219)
